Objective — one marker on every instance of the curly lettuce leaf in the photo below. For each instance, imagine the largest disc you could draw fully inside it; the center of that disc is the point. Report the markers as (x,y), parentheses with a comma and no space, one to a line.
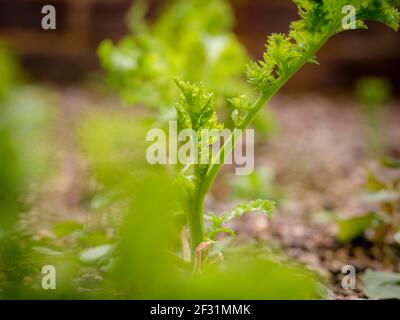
(320,20)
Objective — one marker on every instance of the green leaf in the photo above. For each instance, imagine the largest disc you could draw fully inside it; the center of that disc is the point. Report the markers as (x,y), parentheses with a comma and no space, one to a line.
(391,162)
(67,227)
(97,255)
(241,105)
(47,251)
(220,246)
(94,239)
(373,92)
(383,196)
(258,184)
(191,39)
(241,102)
(215,225)
(381,284)
(373,183)
(217,222)
(353,227)
(263,206)
(319,21)
(196,109)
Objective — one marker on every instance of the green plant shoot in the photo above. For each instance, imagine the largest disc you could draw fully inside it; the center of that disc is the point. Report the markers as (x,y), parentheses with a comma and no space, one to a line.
(285,55)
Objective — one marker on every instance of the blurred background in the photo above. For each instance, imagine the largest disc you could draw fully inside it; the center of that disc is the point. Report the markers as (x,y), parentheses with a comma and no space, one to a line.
(68,53)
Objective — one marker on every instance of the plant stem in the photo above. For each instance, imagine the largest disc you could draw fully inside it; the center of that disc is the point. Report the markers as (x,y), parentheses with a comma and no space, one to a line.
(229,145)
(196,224)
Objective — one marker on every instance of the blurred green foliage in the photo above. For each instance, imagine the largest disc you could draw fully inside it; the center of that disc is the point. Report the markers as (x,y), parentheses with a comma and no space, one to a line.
(351,228)
(381,284)
(150,266)
(145,260)
(10,74)
(259,184)
(26,122)
(373,94)
(381,225)
(192,39)
(25,128)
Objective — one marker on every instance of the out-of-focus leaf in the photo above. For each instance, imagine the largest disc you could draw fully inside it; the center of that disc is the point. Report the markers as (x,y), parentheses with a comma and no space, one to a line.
(67,227)
(258,184)
(324,291)
(353,227)
(97,255)
(191,39)
(381,284)
(94,238)
(24,161)
(391,162)
(136,17)
(146,266)
(246,276)
(373,183)
(47,251)
(382,196)
(373,92)
(220,246)
(101,201)
(114,145)
(10,72)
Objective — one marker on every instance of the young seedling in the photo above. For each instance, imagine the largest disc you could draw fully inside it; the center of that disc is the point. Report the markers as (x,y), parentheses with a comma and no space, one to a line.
(285,55)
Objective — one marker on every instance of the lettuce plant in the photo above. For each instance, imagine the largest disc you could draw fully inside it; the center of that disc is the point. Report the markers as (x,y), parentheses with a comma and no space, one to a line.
(192,39)
(285,55)
(189,38)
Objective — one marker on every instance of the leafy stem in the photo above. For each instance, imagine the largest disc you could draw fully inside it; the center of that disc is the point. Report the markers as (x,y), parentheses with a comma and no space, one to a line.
(264,98)
(285,56)
(196,220)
